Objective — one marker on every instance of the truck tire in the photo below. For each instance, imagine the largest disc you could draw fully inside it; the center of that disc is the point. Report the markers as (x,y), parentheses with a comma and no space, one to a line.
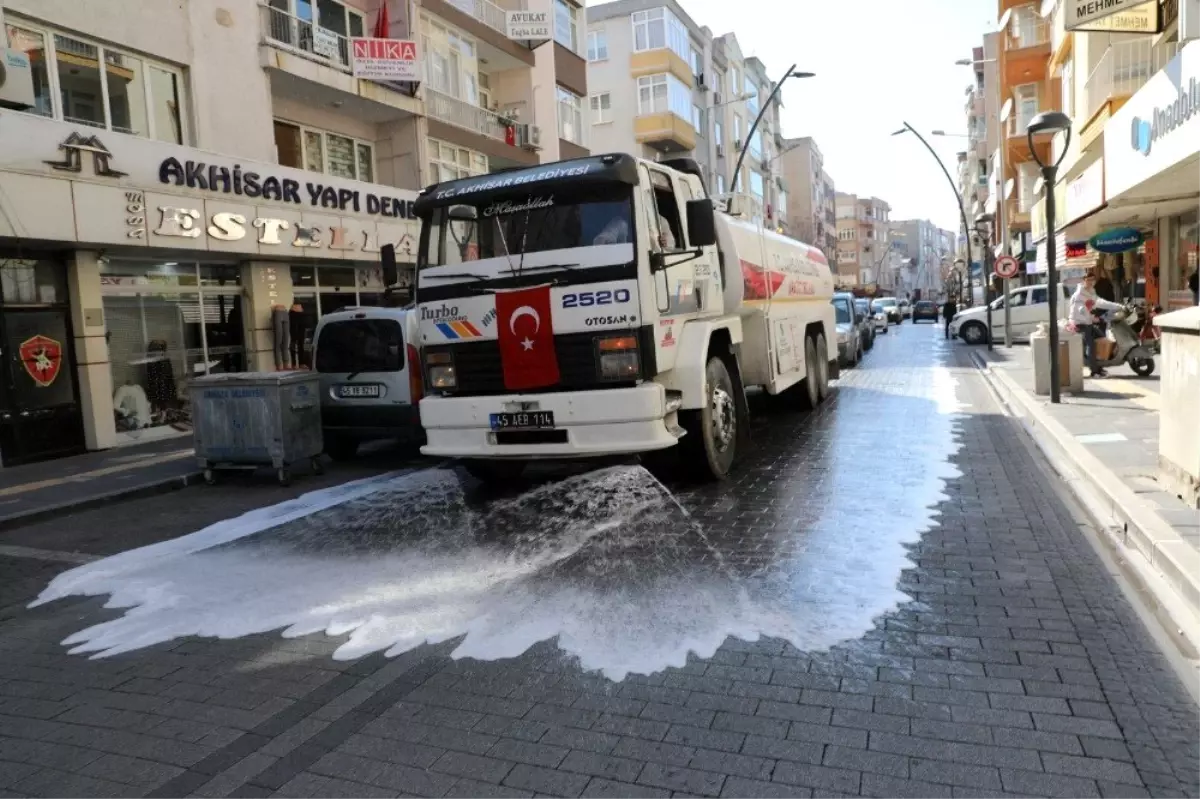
(822,348)
(710,447)
(810,387)
(497,473)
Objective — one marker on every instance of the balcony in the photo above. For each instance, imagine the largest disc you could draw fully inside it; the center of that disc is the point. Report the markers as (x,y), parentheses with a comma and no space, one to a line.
(1016,217)
(1027,31)
(665,132)
(467,116)
(296,35)
(489,14)
(1122,70)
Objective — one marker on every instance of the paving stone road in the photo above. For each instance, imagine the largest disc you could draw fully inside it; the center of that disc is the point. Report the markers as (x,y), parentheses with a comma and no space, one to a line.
(1012,666)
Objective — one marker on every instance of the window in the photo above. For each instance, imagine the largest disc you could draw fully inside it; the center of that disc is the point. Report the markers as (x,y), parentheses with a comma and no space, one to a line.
(1068,88)
(138,96)
(570,116)
(737,131)
(756,149)
(597,46)
(720,184)
(451,61)
(697,114)
(601,108)
(756,184)
(370,345)
(1039,296)
(751,90)
(321,151)
(658,28)
(661,93)
(697,62)
(450,162)
(291,22)
(566,25)
(735,82)
(320,290)
(719,134)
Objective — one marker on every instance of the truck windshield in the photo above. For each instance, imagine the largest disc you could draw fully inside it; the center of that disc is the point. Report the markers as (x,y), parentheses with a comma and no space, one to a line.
(360,345)
(529,223)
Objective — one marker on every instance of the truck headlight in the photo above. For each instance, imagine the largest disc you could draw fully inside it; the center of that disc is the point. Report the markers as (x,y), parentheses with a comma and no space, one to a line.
(440,368)
(619,358)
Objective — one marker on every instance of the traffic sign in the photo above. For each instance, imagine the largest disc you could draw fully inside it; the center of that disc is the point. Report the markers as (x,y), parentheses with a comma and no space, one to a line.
(1007,267)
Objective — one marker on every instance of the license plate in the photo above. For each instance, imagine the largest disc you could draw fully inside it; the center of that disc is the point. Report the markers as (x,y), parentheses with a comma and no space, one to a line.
(527,420)
(358,391)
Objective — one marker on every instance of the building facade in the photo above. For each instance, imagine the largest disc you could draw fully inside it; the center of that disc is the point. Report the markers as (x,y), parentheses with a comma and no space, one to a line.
(922,247)
(811,214)
(663,86)
(226,163)
(865,257)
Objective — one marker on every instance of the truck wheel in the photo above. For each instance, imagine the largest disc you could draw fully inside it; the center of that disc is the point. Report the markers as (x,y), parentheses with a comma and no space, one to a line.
(711,444)
(822,350)
(497,473)
(340,447)
(810,386)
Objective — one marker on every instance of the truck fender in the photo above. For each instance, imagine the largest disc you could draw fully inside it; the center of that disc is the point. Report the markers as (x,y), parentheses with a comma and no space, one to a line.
(691,357)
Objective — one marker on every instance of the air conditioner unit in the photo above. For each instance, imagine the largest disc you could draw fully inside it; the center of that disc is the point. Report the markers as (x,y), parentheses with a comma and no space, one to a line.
(737,145)
(716,98)
(16,79)
(720,151)
(529,137)
(766,164)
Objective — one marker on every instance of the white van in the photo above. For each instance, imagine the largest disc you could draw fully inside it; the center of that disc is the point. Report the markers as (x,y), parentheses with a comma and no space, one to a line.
(370,372)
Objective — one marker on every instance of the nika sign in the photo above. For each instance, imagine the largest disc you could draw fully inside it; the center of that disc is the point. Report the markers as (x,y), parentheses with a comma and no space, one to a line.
(185,223)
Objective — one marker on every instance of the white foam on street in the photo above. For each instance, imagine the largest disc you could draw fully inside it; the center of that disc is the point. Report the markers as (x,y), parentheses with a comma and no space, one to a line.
(609,563)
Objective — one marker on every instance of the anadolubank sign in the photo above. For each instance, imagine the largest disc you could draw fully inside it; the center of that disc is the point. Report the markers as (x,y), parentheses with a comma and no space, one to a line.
(1157,129)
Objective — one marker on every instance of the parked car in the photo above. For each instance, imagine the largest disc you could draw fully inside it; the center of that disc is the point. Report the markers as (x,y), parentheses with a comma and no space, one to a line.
(889,306)
(850,347)
(867,329)
(371,377)
(905,309)
(925,309)
(1029,306)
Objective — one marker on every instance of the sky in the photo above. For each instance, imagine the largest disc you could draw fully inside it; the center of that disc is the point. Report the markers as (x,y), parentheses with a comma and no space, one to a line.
(878,64)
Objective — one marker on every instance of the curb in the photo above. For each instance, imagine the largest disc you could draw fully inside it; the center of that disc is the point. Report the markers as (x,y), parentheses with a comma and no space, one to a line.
(37,515)
(1123,516)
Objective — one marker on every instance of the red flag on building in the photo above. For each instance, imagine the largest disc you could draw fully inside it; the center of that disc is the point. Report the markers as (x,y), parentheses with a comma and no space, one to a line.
(383,25)
(526,338)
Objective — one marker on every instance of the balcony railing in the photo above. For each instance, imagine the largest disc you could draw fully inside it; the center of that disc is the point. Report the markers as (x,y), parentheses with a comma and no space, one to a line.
(298,35)
(463,114)
(486,12)
(1122,70)
(1027,30)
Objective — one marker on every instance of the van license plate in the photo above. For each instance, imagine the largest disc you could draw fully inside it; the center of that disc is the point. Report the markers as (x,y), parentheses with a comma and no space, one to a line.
(529,420)
(358,391)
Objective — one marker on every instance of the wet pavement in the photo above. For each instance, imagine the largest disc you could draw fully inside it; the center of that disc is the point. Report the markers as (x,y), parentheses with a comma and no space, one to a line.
(886,600)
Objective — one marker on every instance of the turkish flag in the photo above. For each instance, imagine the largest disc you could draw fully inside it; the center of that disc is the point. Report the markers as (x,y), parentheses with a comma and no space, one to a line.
(526,338)
(383,26)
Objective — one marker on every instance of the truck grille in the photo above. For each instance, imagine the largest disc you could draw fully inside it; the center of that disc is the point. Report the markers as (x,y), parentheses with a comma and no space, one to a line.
(477,363)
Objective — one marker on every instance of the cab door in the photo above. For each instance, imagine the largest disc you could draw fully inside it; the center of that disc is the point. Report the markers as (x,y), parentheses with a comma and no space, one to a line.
(674,277)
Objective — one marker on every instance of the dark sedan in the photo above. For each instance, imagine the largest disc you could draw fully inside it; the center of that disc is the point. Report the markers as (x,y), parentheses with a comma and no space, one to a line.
(924,309)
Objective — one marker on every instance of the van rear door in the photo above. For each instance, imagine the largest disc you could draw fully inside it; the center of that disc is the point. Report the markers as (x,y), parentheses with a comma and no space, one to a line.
(364,359)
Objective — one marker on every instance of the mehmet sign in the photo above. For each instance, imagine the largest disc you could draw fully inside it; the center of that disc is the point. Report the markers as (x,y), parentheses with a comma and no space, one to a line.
(1082,12)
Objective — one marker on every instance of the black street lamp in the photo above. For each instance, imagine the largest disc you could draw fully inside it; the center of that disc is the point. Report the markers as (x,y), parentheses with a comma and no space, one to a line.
(962,210)
(791,73)
(1051,122)
(983,229)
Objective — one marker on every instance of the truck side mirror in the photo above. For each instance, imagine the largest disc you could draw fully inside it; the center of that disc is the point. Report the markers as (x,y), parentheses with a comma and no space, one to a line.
(702,223)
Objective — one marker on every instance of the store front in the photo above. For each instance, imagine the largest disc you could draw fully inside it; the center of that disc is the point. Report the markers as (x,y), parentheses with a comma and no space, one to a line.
(1152,173)
(131,266)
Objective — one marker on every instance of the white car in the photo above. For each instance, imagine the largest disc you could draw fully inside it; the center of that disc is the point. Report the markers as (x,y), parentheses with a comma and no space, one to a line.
(880,320)
(1029,306)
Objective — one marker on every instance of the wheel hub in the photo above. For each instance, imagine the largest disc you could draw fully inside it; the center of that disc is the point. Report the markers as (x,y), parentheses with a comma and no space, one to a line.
(723,418)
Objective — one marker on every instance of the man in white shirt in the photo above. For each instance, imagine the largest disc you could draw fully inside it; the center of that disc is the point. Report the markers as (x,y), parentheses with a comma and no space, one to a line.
(1083,302)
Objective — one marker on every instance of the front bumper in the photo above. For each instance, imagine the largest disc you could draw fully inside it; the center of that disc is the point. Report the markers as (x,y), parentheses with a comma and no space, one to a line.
(614,421)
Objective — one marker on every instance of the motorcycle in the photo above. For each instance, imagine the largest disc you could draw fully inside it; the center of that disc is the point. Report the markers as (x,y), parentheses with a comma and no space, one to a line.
(1128,346)
(1146,330)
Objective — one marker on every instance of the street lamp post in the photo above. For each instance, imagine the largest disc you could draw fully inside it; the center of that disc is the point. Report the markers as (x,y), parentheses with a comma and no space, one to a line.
(1051,122)
(983,229)
(791,73)
(962,210)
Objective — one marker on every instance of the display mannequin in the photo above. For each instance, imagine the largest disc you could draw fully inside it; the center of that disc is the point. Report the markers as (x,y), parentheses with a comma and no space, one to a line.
(297,327)
(281,325)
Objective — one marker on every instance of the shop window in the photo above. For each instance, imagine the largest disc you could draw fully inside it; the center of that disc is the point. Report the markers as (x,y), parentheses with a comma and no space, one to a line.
(324,289)
(29,282)
(135,95)
(321,151)
(166,323)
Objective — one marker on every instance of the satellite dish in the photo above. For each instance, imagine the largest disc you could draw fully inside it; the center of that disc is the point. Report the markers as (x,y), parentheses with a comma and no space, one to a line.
(1005,18)
(1009,185)
(1006,110)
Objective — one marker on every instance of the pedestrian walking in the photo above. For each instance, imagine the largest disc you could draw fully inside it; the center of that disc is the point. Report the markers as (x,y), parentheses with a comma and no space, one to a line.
(948,312)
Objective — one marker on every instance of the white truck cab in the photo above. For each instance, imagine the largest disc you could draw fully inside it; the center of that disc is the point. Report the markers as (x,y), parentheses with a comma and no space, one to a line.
(602,306)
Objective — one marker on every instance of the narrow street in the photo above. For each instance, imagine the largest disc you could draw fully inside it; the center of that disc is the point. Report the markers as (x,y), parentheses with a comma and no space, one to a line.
(889,598)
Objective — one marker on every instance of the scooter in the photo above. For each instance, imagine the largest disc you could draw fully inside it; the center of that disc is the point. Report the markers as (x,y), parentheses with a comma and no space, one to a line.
(1128,346)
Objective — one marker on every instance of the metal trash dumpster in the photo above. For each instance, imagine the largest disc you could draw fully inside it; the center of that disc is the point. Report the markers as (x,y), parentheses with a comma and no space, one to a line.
(251,419)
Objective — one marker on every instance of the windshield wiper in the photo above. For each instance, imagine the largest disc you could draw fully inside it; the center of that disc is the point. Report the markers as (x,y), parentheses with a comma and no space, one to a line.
(541,268)
(459,274)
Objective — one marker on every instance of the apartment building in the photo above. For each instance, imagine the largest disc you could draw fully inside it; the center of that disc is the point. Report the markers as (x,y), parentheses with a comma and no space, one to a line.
(811,214)
(663,86)
(922,248)
(982,112)
(173,173)
(864,253)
